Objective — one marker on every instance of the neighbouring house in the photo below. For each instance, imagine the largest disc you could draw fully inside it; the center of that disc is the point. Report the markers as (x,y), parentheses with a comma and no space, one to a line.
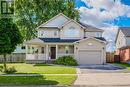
(19,54)
(20,49)
(123,44)
(62,36)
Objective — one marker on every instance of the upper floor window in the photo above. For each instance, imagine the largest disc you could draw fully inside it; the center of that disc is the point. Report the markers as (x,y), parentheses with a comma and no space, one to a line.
(71,32)
(23,47)
(98,34)
(42,33)
(55,33)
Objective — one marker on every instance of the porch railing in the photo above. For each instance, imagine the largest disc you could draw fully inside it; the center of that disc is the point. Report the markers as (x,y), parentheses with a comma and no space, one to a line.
(35,56)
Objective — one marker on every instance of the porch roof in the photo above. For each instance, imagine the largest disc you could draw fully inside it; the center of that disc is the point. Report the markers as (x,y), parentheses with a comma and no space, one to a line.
(100,38)
(65,40)
(58,40)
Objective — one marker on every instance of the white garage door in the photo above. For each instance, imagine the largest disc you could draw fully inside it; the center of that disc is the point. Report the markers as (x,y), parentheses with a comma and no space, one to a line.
(89,57)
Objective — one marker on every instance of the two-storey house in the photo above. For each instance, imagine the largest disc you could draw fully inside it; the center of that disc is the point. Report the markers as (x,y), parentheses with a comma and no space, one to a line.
(123,44)
(62,36)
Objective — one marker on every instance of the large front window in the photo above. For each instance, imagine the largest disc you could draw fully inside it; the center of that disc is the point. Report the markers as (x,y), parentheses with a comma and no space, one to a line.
(72,32)
(65,49)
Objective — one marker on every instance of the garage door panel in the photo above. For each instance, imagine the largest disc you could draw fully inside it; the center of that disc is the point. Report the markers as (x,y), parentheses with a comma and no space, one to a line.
(89,57)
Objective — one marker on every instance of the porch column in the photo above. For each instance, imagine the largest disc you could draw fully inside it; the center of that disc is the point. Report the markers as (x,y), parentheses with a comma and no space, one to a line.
(47,52)
(56,51)
(26,51)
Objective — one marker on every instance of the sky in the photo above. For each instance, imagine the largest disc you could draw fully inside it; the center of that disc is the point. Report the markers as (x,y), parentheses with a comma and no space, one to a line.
(108,15)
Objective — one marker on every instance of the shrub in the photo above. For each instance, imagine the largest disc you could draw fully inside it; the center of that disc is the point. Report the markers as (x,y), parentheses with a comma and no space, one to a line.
(66,60)
(1,69)
(9,70)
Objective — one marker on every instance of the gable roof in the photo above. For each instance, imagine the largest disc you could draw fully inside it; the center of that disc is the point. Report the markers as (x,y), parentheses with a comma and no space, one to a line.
(125,31)
(36,40)
(90,28)
(71,21)
(100,39)
(60,14)
(84,26)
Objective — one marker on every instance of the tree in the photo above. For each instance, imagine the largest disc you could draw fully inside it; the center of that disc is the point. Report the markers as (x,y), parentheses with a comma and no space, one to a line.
(31,13)
(9,37)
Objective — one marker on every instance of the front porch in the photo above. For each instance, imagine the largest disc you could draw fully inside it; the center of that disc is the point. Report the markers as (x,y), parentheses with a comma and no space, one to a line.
(47,52)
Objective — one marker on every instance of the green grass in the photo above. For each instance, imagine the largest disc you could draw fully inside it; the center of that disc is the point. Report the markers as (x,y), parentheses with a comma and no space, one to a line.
(42,68)
(36,80)
(125,65)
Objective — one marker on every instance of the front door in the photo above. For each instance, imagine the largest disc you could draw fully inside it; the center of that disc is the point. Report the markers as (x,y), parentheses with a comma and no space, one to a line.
(53,52)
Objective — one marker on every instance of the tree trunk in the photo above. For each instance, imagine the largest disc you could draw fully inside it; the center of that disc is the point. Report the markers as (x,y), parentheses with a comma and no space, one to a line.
(5,67)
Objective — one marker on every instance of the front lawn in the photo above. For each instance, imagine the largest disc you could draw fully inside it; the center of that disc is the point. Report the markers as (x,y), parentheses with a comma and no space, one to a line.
(125,65)
(42,68)
(36,80)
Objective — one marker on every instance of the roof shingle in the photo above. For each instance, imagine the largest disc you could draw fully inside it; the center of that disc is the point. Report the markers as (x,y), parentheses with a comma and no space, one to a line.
(126,31)
(58,40)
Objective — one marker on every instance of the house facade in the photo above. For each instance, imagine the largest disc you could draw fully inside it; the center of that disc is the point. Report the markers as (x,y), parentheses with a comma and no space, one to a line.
(123,44)
(62,36)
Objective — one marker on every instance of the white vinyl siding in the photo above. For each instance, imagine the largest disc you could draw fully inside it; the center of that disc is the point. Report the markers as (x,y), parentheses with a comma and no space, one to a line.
(93,34)
(71,32)
(121,40)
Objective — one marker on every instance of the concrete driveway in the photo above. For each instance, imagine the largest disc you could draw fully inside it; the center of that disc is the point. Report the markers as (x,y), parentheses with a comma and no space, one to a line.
(108,68)
(102,76)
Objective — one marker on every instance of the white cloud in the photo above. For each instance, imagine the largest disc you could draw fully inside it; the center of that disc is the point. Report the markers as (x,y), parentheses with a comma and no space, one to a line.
(113,10)
(106,4)
(93,16)
(128,15)
(110,33)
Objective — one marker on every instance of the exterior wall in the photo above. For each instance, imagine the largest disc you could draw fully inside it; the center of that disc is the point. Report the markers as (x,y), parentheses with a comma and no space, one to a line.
(95,45)
(121,40)
(72,24)
(56,33)
(93,34)
(125,55)
(48,33)
(127,41)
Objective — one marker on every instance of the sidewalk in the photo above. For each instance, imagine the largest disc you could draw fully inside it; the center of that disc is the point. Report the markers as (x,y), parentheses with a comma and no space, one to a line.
(103,79)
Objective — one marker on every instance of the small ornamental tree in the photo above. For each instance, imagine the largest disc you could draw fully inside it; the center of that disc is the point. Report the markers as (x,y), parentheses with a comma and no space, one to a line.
(10,37)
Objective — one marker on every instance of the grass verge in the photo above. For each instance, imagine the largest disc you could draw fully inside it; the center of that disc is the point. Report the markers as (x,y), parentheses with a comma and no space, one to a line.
(36,80)
(41,68)
(125,65)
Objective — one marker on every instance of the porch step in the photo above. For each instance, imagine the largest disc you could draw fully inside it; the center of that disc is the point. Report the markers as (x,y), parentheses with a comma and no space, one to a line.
(49,61)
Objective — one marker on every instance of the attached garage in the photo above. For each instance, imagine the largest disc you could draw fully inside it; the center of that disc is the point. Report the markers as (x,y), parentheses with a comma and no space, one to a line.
(90,51)
(90,57)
